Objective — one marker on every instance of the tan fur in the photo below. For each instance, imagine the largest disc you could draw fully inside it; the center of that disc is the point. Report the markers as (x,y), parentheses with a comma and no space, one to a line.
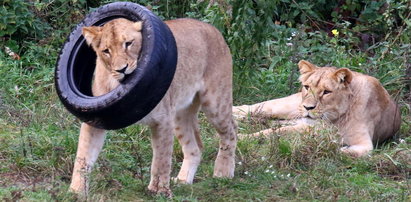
(203,79)
(357,104)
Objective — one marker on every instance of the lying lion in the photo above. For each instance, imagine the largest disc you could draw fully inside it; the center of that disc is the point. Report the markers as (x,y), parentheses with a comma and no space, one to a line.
(357,104)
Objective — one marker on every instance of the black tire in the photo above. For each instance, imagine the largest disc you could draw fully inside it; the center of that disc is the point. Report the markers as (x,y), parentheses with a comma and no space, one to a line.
(140,91)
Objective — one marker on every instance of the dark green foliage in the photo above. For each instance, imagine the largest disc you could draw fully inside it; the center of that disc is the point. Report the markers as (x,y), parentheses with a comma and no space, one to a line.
(17,21)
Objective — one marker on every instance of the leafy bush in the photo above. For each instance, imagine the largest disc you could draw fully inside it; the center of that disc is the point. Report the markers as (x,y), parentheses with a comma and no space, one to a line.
(18,21)
(60,13)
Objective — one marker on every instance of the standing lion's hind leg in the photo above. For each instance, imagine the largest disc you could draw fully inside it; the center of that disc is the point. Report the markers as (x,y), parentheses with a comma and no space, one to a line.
(217,107)
(188,134)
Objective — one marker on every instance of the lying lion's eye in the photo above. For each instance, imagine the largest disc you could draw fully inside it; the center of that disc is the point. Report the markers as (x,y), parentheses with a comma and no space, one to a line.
(128,43)
(326,92)
(306,87)
(106,51)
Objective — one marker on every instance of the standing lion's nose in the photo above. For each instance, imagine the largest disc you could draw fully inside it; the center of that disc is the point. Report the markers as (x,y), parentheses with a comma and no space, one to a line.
(122,70)
(308,108)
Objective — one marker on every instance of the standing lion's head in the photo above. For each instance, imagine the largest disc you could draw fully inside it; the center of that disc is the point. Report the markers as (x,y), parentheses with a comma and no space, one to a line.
(117,45)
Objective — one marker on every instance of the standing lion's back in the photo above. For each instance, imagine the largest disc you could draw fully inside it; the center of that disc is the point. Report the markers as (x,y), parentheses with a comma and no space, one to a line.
(199,39)
(202,53)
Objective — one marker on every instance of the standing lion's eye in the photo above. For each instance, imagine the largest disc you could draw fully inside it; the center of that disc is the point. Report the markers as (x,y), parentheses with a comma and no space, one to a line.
(106,51)
(129,43)
(306,87)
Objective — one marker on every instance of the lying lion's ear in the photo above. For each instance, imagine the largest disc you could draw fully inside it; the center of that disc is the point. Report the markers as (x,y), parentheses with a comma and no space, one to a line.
(91,34)
(138,25)
(306,66)
(343,75)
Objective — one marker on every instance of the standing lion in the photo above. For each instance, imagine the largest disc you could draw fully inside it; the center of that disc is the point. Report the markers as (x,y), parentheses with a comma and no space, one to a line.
(203,80)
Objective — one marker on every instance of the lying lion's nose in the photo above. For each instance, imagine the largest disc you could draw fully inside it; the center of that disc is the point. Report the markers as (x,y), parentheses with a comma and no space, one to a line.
(308,108)
(122,70)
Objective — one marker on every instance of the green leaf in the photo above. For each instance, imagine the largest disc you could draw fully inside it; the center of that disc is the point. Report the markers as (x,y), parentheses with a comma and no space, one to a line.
(285,148)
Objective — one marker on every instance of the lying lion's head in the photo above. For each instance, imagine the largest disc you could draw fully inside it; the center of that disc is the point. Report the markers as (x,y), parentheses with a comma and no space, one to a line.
(326,93)
(117,45)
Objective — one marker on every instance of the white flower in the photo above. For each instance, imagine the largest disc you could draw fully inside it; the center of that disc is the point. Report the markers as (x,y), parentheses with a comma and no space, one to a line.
(402,141)
(267,171)
(263,158)
(239,163)
(293,34)
(270,166)
(8,51)
(246,172)
(288,175)
(289,44)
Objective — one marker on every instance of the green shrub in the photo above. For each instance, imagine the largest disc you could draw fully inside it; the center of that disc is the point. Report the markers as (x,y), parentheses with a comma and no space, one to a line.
(18,22)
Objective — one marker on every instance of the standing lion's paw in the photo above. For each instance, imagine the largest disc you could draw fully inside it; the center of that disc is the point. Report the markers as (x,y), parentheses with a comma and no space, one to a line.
(79,188)
(180,181)
(227,173)
(224,169)
(162,191)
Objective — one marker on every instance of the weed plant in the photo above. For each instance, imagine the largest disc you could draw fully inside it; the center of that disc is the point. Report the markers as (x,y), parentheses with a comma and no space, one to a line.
(38,137)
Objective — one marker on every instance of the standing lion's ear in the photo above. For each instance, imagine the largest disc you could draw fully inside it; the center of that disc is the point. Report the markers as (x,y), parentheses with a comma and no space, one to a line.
(343,75)
(138,25)
(91,34)
(306,66)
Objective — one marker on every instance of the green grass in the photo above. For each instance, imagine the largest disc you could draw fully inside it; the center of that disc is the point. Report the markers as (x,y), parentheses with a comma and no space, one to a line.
(38,137)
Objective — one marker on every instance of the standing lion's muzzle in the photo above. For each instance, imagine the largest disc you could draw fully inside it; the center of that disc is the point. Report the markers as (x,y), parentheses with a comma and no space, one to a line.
(122,70)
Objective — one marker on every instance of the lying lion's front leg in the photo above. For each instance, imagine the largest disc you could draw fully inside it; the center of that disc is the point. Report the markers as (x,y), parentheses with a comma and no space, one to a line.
(91,141)
(359,142)
(282,108)
(162,143)
(298,126)
(357,150)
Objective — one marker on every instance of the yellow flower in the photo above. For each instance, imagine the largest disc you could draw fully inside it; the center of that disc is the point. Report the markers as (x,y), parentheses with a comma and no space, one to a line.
(335,32)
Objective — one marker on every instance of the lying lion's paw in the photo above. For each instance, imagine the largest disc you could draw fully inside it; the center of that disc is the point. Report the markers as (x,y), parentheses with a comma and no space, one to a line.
(354,151)
(240,112)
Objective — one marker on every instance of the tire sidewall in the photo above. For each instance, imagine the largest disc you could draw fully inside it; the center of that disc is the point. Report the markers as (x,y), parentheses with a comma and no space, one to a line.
(141,91)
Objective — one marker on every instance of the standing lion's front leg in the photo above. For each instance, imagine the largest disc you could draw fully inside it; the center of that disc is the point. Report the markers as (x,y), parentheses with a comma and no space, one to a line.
(91,141)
